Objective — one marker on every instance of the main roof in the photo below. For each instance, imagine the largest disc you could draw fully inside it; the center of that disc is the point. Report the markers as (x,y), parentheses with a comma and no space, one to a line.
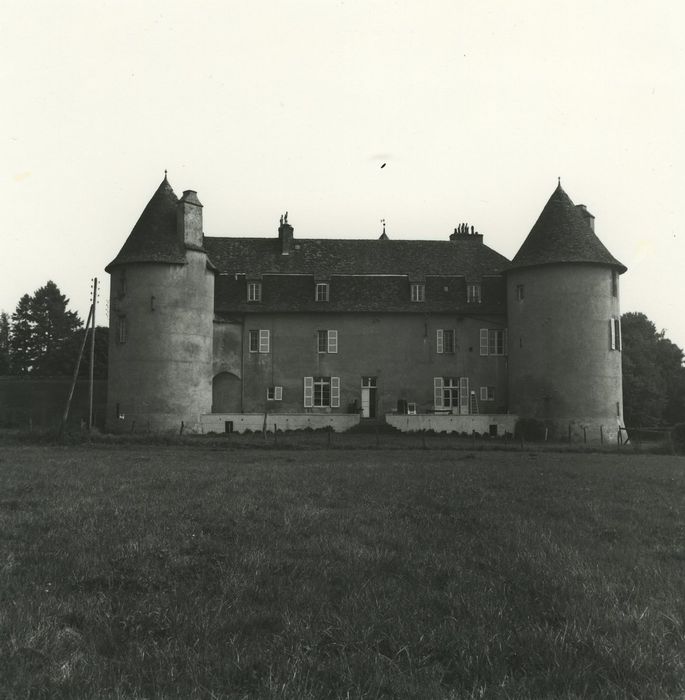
(562,234)
(327,257)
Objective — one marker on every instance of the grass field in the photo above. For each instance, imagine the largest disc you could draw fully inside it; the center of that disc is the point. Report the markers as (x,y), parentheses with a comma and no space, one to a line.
(152,571)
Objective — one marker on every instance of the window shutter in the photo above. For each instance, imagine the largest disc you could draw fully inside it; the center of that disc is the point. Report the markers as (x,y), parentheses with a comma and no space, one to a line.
(308,392)
(332,341)
(464,395)
(335,392)
(439,342)
(438,398)
(278,393)
(264,340)
(483,393)
(619,341)
(505,340)
(484,341)
(612,334)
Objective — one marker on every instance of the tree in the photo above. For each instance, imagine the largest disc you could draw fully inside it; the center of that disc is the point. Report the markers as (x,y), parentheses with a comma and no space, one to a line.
(22,352)
(41,330)
(653,375)
(4,343)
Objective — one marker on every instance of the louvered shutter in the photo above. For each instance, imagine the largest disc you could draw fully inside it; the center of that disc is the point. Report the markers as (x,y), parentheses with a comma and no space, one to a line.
(335,392)
(308,392)
(464,396)
(332,341)
(619,342)
(612,334)
(439,341)
(483,341)
(264,340)
(278,393)
(505,341)
(438,397)
(483,393)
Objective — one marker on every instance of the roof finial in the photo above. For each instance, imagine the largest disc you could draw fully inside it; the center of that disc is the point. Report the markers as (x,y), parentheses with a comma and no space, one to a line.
(165,173)
(383,222)
(559,180)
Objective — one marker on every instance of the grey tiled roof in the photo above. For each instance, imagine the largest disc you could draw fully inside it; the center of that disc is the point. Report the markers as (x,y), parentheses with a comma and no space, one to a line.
(154,238)
(325,257)
(562,235)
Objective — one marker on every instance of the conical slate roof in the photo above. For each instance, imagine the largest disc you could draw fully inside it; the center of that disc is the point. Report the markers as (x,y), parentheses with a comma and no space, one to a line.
(154,238)
(562,234)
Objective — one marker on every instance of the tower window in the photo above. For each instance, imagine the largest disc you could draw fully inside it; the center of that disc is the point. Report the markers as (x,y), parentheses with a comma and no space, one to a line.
(615,334)
(418,292)
(122,334)
(321,293)
(519,292)
(614,283)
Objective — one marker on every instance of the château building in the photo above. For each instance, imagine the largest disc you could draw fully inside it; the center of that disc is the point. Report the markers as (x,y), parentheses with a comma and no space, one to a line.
(230,333)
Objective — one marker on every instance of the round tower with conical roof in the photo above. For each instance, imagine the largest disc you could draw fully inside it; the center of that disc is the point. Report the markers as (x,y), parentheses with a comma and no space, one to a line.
(161,319)
(564,325)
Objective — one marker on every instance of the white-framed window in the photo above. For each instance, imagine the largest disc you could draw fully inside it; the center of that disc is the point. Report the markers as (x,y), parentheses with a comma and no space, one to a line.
(122,332)
(444,340)
(321,392)
(254,291)
(418,292)
(260,340)
(321,292)
(327,341)
(520,292)
(493,341)
(615,342)
(487,393)
(451,392)
(473,293)
(274,393)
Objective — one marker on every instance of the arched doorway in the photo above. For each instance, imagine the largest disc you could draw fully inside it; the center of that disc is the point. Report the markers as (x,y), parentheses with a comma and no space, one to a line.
(226,393)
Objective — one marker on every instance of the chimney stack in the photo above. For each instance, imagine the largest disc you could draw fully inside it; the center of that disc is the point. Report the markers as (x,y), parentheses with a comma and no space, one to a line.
(586,215)
(189,220)
(285,235)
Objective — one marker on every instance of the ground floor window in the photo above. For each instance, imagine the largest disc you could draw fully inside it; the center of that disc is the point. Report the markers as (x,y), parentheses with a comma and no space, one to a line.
(321,392)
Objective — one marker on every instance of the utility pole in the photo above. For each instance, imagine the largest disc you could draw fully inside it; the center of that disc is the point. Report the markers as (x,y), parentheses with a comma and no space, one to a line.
(92,352)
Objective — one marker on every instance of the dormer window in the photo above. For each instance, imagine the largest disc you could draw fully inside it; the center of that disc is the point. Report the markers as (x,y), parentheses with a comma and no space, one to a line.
(254,291)
(418,292)
(473,294)
(321,293)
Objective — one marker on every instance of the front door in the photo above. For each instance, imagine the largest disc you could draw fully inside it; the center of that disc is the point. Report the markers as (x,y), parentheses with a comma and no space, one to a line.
(368,397)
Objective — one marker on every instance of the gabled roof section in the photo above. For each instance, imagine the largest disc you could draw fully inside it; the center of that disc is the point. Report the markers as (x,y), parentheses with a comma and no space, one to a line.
(316,256)
(154,238)
(562,235)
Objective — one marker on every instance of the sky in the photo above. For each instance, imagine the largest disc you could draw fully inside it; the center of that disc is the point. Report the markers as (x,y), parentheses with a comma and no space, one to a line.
(266,106)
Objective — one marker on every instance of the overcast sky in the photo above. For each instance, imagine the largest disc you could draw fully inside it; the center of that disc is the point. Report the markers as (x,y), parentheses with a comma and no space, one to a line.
(263,107)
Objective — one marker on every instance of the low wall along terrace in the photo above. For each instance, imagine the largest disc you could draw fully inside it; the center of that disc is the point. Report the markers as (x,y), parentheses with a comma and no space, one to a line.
(497,424)
(241,422)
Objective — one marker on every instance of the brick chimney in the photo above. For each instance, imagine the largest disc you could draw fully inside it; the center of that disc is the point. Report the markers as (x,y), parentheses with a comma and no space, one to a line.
(189,219)
(285,235)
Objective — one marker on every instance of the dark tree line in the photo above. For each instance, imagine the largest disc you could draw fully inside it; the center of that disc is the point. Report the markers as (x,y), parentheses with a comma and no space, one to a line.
(653,375)
(43,338)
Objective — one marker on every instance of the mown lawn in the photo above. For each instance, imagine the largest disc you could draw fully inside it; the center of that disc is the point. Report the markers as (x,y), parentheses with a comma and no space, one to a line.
(151,572)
